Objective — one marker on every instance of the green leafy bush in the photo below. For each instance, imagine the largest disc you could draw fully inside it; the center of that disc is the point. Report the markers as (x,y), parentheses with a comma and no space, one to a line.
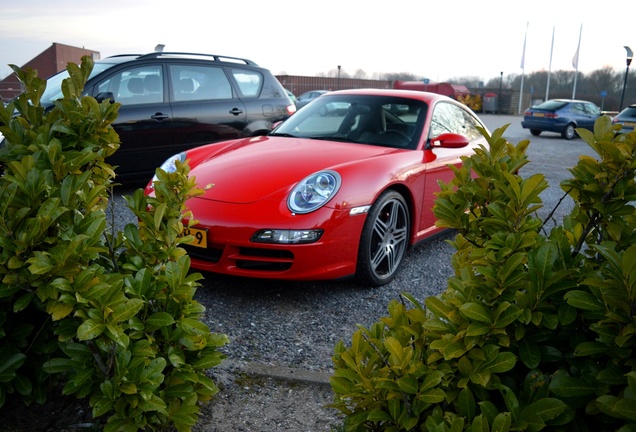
(108,315)
(535,330)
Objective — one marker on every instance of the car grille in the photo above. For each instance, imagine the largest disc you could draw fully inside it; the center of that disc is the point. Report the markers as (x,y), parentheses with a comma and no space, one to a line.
(247,258)
(210,254)
(264,259)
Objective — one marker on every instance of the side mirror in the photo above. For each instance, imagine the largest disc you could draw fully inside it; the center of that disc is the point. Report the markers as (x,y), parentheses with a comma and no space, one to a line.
(105,95)
(449,140)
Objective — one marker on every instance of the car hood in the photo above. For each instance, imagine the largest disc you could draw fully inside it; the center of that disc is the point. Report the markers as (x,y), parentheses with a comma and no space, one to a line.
(255,168)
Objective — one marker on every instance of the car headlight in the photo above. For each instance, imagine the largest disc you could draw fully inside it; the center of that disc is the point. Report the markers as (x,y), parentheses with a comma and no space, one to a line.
(170,164)
(314,191)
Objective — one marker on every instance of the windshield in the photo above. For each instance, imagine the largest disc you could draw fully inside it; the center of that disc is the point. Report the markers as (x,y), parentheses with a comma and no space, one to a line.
(365,119)
(53,90)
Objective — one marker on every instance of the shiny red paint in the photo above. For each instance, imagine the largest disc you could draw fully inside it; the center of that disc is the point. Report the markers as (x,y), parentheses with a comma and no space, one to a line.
(248,181)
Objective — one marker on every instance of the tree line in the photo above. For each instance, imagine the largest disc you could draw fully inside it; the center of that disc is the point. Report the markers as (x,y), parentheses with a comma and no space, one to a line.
(602,86)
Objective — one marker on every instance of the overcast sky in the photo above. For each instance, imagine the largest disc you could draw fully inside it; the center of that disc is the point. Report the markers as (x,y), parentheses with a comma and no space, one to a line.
(437,40)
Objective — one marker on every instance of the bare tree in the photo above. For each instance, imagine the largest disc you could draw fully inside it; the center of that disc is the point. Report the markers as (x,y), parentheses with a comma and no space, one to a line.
(605,79)
(360,74)
(468,81)
(400,76)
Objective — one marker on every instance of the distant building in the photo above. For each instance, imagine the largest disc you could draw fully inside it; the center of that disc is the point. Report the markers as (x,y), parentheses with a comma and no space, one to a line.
(300,84)
(47,63)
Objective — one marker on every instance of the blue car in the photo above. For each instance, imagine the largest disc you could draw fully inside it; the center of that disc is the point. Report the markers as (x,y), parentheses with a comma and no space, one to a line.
(561,116)
(627,119)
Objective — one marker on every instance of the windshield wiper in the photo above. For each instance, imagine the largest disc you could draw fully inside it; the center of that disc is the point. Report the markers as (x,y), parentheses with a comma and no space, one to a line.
(332,138)
(283,135)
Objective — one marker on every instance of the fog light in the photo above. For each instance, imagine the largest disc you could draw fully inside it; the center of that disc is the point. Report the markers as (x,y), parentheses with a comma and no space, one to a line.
(287,236)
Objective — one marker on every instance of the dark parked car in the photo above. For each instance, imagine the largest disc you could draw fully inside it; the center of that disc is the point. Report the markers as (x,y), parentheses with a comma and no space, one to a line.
(562,116)
(627,119)
(172,102)
(307,97)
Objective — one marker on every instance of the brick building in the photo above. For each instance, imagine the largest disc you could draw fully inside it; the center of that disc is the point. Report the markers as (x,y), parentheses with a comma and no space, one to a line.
(47,63)
(301,84)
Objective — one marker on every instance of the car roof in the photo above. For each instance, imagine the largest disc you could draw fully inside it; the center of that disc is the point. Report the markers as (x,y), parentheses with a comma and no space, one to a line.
(123,58)
(412,94)
(569,100)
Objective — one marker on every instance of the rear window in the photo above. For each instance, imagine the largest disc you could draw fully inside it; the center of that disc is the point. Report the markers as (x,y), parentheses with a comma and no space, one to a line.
(550,105)
(249,82)
(629,112)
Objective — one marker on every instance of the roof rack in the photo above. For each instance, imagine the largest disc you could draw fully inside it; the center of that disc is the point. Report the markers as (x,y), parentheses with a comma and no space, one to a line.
(124,55)
(219,58)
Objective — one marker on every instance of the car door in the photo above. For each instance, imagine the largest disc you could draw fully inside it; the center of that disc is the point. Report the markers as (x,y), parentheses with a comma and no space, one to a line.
(145,119)
(582,118)
(204,105)
(446,118)
(592,112)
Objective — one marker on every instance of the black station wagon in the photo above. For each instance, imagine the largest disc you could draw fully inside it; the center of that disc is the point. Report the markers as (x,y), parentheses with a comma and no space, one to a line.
(172,102)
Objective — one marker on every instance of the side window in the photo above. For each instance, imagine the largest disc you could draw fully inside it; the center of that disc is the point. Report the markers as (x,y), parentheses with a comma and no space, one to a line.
(197,83)
(578,108)
(592,109)
(449,118)
(249,82)
(140,85)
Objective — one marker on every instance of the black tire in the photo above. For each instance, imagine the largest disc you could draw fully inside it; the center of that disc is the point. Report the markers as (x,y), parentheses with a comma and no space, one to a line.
(569,132)
(535,132)
(384,240)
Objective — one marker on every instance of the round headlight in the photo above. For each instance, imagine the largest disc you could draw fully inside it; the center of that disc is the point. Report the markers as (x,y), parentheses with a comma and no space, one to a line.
(314,192)
(170,165)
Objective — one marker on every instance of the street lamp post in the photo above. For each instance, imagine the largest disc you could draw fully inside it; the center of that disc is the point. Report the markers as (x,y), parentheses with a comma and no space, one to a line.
(338,81)
(630,56)
(499,95)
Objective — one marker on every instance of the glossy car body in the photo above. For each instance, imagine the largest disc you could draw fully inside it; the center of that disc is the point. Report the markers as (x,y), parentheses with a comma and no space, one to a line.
(627,119)
(292,96)
(343,187)
(175,101)
(562,116)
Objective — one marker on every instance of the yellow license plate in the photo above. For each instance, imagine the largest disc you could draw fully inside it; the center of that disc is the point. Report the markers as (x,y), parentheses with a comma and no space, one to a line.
(200,236)
(629,124)
(538,115)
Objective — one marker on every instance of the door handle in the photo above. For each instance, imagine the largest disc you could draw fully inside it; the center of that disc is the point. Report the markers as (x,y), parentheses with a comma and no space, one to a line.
(159,116)
(236,111)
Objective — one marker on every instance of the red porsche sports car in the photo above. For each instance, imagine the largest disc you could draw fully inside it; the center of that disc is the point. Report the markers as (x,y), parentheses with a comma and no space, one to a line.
(342,188)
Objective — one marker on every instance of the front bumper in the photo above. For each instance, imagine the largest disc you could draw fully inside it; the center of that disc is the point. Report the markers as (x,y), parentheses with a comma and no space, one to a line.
(229,250)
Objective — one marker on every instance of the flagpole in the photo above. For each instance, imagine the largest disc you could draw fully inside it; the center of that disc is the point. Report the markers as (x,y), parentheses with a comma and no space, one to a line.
(547,87)
(575,62)
(523,65)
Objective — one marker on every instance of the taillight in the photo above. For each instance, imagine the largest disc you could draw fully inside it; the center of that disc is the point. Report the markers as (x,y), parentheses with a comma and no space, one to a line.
(291,109)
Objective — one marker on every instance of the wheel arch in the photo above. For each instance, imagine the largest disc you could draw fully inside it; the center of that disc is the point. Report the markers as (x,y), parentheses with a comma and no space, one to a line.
(258,128)
(410,202)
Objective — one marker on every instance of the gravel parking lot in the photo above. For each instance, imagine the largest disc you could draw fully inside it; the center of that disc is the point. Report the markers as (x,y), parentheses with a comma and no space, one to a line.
(282,334)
